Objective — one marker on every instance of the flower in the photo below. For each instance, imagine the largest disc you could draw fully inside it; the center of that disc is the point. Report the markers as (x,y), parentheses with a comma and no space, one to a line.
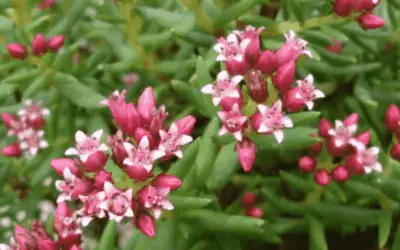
(156,199)
(87,145)
(232,121)
(72,186)
(341,134)
(367,157)
(116,143)
(117,203)
(224,87)
(230,48)
(90,207)
(271,120)
(307,91)
(141,156)
(171,141)
(32,141)
(292,49)
(246,150)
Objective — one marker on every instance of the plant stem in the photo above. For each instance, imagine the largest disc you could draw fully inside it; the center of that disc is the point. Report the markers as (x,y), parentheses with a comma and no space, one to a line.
(22,14)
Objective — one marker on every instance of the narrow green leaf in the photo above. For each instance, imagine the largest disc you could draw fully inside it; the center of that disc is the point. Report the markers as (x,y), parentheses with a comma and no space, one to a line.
(234,11)
(389,187)
(363,92)
(225,165)
(334,59)
(302,118)
(385,224)
(396,241)
(205,160)
(109,236)
(297,182)
(22,75)
(317,234)
(6,90)
(37,85)
(257,20)
(187,202)
(203,76)
(283,205)
(182,167)
(77,92)
(317,37)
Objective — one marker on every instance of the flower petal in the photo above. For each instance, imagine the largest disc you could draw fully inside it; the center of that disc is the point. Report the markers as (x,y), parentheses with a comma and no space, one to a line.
(278,135)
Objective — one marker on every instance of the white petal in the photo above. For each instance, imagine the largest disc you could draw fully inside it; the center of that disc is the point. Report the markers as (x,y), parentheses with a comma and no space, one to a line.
(360,147)
(318,94)
(43,144)
(216,101)
(179,154)
(45,112)
(310,105)
(128,147)
(173,129)
(59,184)
(68,176)
(62,197)
(144,143)
(108,188)
(129,213)
(232,38)
(223,75)
(157,154)
(128,162)
(208,89)
(71,151)
(167,205)
(238,58)
(308,53)
(368,170)
(263,128)
(278,105)
(33,151)
(185,139)
(221,58)
(86,220)
(103,147)
(338,124)
(222,115)
(21,112)
(338,142)
(103,205)
(80,137)
(104,102)
(148,167)
(23,145)
(352,128)
(40,133)
(332,132)
(157,213)
(223,131)
(244,44)
(278,135)
(310,79)
(298,96)
(287,122)
(374,150)
(236,80)
(218,47)
(377,167)
(97,134)
(83,157)
(238,135)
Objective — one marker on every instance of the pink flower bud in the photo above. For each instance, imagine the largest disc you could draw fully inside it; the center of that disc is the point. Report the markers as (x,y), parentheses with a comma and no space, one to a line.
(354,165)
(351,120)
(46,244)
(96,161)
(167,181)
(255,212)
(146,104)
(55,43)
(102,177)
(336,47)
(47,4)
(60,164)
(291,102)
(365,5)
(146,225)
(315,149)
(334,150)
(69,241)
(364,137)
(227,103)
(395,152)
(39,45)
(246,153)
(8,119)
(17,50)
(293,48)
(323,128)
(237,68)
(284,77)
(322,177)
(186,124)
(138,173)
(75,247)
(307,164)
(267,62)
(371,21)
(248,200)
(392,118)
(140,133)
(119,153)
(256,120)
(342,8)
(12,150)
(257,87)
(340,174)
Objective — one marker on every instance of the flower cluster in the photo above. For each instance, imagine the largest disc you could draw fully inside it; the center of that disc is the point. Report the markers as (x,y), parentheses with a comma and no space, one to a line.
(392,121)
(366,19)
(36,237)
(243,59)
(341,141)
(40,45)
(141,140)
(27,128)
(248,202)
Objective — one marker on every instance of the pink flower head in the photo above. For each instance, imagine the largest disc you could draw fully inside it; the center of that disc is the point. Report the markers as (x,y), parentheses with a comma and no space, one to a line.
(250,38)
(257,87)
(254,212)
(34,113)
(47,4)
(232,122)
(167,181)
(322,177)
(367,157)
(72,186)
(141,156)
(307,91)
(224,87)
(12,150)
(292,49)
(90,207)
(87,145)
(145,223)
(24,239)
(271,120)
(230,48)
(55,43)
(14,126)
(370,21)
(101,177)
(157,121)
(62,163)
(248,200)
(267,63)
(392,118)
(118,204)
(171,141)
(156,199)
(186,124)
(342,133)
(31,141)
(17,50)
(129,79)
(65,222)
(146,105)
